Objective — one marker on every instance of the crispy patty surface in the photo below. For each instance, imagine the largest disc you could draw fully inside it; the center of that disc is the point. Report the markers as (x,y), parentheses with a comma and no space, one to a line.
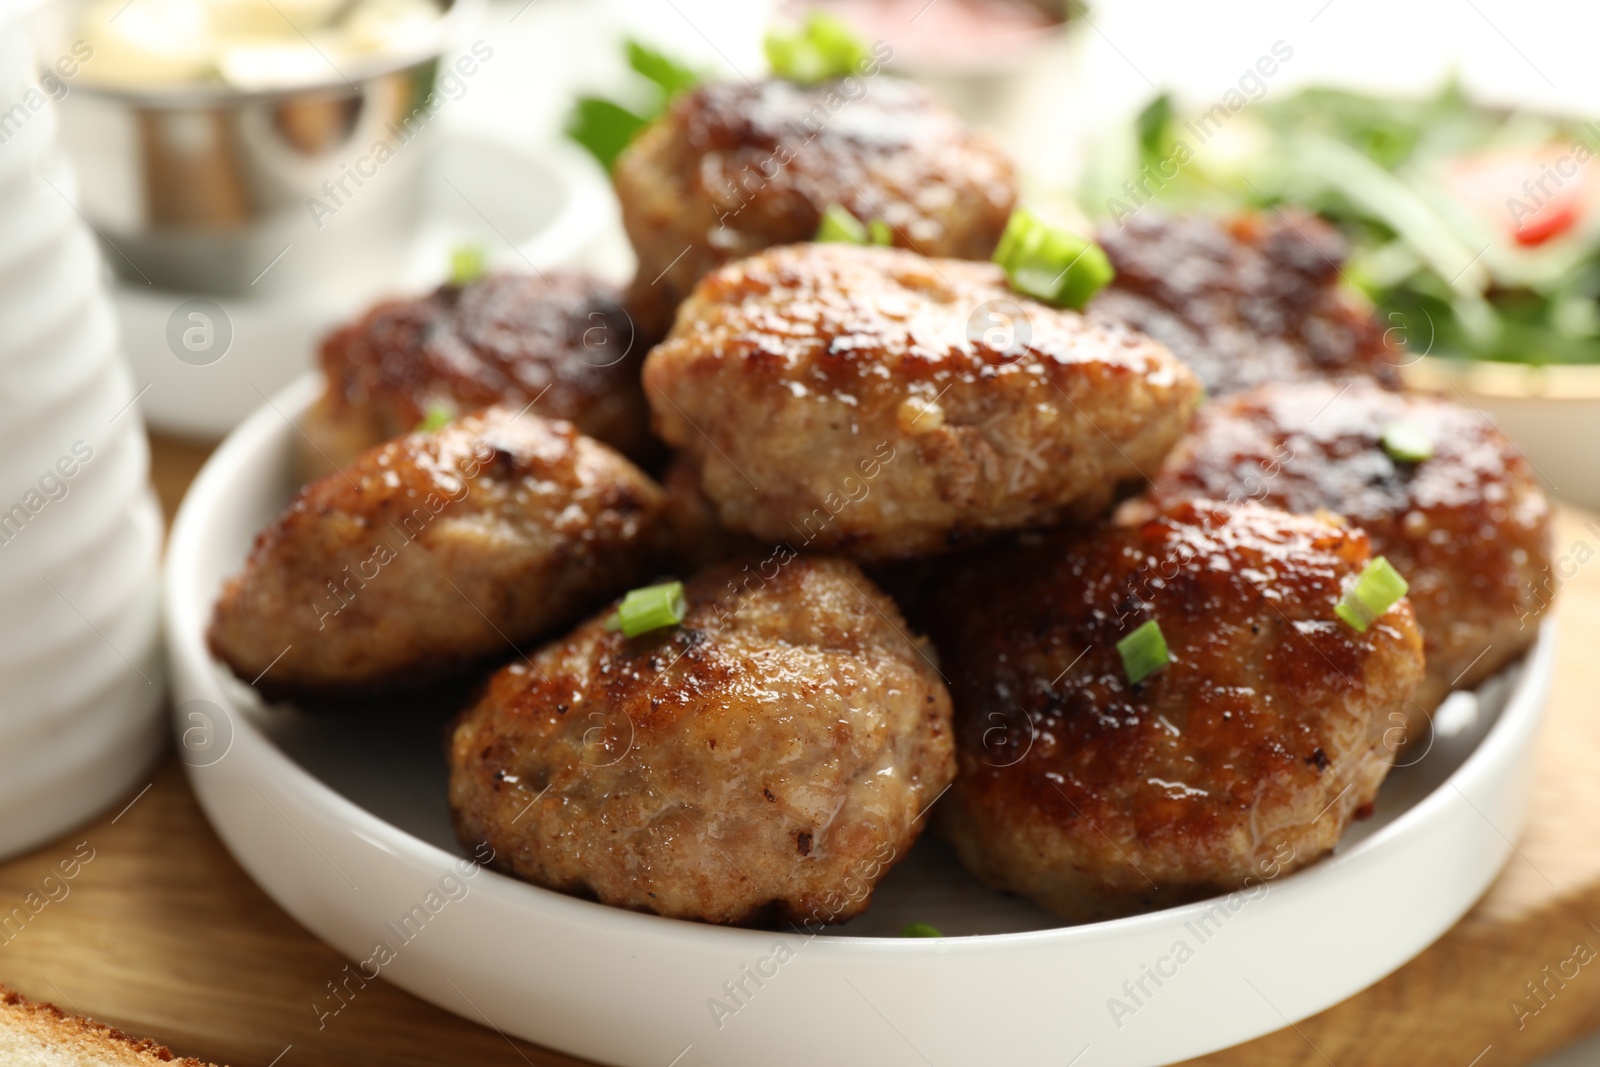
(1246,299)
(1248,755)
(433,553)
(736,167)
(562,341)
(766,761)
(1469,528)
(874,402)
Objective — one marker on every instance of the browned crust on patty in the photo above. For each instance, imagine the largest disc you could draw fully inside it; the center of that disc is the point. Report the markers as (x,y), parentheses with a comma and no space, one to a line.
(765,762)
(874,402)
(562,337)
(1259,742)
(735,167)
(1469,528)
(434,553)
(1245,299)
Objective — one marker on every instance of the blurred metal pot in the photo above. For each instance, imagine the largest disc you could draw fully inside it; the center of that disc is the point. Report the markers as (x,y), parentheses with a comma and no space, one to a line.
(214,189)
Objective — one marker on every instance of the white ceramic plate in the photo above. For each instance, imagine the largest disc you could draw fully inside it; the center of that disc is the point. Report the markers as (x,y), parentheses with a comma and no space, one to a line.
(344,822)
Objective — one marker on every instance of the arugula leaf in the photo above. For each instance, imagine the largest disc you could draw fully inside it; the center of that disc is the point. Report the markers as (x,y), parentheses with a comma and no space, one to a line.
(670,76)
(603,127)
(1151,126)
(1448,277)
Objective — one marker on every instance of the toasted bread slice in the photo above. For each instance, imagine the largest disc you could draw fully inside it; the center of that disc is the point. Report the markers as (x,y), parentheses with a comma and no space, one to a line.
(42,1035)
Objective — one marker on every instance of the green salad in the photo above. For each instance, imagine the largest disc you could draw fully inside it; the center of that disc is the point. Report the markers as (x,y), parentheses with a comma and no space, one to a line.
(1475,230)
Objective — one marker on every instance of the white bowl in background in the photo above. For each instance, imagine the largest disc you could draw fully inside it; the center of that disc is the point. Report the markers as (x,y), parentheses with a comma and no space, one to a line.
(343,822)
(1551,413)
(529,209)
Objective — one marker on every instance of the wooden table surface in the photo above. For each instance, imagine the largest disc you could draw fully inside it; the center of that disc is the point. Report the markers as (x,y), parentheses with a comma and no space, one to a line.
(162,934)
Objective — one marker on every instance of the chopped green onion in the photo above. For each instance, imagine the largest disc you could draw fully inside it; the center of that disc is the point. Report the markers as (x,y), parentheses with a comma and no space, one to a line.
(1050,264)
(1144,652)
(1407,442)
(921,930)
(1375,592)
(824,48)
(467,264)
(840,226)
(650,608)
(668,75)
(438,414)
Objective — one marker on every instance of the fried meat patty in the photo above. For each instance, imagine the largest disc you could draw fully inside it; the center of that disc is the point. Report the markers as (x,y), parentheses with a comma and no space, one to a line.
(563,338)
(700,539)
(764,762)
(736,167)
(433,553)
(1244,300)
(874,402)
(1468,527)
(1248,754)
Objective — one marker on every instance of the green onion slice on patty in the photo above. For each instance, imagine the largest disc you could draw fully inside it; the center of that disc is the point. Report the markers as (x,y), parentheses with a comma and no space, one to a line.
(467,265)
(1407,442)
(841,227)
(1052,265)
(1144,652)
(822,49)
(652,608)
(1375,592)
(437,415)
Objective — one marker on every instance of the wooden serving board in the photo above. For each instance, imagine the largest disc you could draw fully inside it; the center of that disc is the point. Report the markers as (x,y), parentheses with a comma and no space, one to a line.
(162,934)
